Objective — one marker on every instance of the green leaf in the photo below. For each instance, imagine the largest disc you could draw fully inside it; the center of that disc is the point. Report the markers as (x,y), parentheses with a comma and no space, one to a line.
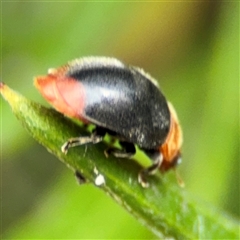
(164,208)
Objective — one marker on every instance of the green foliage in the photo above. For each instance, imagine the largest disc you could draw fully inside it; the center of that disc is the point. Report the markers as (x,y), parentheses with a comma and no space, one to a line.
(163,208)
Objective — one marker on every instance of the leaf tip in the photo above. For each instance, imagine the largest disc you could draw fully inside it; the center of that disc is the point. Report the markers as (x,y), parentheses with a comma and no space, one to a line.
(3,89)
(1,86)
(9,95)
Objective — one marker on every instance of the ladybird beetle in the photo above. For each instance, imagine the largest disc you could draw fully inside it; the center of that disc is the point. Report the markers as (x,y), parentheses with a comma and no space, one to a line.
(120,100)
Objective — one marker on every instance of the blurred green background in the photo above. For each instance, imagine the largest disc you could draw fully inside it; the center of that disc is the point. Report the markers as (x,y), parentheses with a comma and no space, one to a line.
(191,48)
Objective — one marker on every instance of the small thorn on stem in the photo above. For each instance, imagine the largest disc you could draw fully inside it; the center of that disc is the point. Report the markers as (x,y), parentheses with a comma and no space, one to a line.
(106,153)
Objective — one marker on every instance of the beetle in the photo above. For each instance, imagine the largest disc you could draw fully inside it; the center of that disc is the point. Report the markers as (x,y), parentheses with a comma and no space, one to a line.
(120,100)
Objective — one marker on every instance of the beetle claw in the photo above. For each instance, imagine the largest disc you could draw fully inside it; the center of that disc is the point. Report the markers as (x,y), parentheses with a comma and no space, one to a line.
(142,179)
(65,147)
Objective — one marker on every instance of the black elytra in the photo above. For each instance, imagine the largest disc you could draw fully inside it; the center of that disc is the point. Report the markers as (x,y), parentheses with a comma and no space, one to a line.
(126,101)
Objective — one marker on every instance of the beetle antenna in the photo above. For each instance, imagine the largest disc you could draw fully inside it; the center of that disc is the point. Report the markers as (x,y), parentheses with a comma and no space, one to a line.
(179,179)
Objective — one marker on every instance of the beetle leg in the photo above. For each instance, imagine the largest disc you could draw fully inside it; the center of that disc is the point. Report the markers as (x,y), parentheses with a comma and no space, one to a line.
(157,158)
(127,151)
(73,142)
(95,137)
